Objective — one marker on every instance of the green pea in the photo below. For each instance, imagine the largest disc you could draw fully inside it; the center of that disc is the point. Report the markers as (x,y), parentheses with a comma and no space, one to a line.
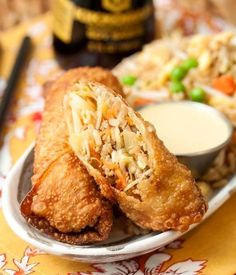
(197,94)
(177,87)
(178,73)
(128,80)
(190,63)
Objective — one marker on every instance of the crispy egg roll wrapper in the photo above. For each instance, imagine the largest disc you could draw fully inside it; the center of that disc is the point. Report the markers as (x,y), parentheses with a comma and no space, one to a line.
(65,201)
(124,155)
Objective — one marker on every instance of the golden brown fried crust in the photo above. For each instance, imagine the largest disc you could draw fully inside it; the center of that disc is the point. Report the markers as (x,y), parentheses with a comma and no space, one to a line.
(64,201)
(169,199)
(54,111)
(61,197)
(96,74)
(89,234)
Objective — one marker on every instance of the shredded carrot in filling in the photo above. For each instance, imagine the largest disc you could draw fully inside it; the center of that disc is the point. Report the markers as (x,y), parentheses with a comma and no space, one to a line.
(121,180)
(113,144)
(95,158)
(107,133)
(91,145)
(129,120)
(111,113)
(110,165)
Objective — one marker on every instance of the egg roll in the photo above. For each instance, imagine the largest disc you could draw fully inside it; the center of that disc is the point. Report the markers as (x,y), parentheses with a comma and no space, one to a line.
(124,155)
(65,201)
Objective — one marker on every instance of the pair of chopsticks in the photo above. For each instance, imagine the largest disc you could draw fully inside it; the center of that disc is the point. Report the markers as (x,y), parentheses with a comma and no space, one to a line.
(13,78)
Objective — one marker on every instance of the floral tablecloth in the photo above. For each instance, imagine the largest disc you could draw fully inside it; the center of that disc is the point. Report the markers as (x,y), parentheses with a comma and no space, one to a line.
(209,249)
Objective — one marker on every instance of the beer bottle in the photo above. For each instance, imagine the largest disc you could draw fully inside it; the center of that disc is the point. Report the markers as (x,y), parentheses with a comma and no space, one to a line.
(101,32)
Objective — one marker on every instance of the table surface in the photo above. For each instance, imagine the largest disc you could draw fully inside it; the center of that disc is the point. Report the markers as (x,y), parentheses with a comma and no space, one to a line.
(208,249)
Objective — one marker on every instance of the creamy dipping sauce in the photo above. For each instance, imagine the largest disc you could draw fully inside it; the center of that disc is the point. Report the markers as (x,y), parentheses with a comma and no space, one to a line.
(187,127)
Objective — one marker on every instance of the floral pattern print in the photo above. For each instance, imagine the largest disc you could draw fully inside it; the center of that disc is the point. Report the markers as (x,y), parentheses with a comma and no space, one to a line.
(2,260)
(22,266)
(155,264)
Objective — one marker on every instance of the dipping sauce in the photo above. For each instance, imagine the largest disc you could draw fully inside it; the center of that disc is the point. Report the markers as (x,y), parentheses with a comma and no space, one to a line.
(186,127)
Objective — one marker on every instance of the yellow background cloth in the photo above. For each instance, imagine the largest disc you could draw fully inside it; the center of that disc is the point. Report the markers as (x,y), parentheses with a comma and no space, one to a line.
(208,249)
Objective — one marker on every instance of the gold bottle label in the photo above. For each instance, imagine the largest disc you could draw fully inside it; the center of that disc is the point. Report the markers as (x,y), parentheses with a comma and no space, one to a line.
(116,5)
(117,31)
(104,19)
(63,19)
(97,33)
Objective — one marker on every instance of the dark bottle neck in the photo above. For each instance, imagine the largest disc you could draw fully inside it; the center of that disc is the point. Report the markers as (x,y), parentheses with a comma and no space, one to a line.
(100,46)
(96,5)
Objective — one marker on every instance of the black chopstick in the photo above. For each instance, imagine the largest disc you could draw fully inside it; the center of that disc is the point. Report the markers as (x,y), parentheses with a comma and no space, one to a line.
(13,78)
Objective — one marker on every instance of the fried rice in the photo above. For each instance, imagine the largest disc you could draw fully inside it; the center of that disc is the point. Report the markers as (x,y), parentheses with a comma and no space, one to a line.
(216,57)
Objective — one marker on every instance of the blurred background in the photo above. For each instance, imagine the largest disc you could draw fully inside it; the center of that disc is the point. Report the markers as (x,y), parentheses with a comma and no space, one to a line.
(12,12)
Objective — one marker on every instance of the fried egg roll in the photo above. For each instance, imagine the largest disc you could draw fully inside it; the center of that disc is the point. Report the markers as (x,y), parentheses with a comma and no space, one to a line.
(124,155)
(64,201)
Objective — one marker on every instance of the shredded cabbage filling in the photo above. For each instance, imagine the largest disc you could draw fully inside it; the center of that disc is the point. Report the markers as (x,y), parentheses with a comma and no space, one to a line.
(108,138)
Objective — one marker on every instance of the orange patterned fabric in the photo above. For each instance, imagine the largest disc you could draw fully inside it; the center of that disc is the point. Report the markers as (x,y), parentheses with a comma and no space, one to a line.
(208,249)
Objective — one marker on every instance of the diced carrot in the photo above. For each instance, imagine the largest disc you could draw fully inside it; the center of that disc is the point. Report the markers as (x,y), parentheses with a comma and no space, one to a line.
(225,84)
(121,181)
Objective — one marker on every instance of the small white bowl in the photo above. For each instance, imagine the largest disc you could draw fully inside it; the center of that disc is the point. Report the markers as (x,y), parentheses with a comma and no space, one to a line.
(116,248)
